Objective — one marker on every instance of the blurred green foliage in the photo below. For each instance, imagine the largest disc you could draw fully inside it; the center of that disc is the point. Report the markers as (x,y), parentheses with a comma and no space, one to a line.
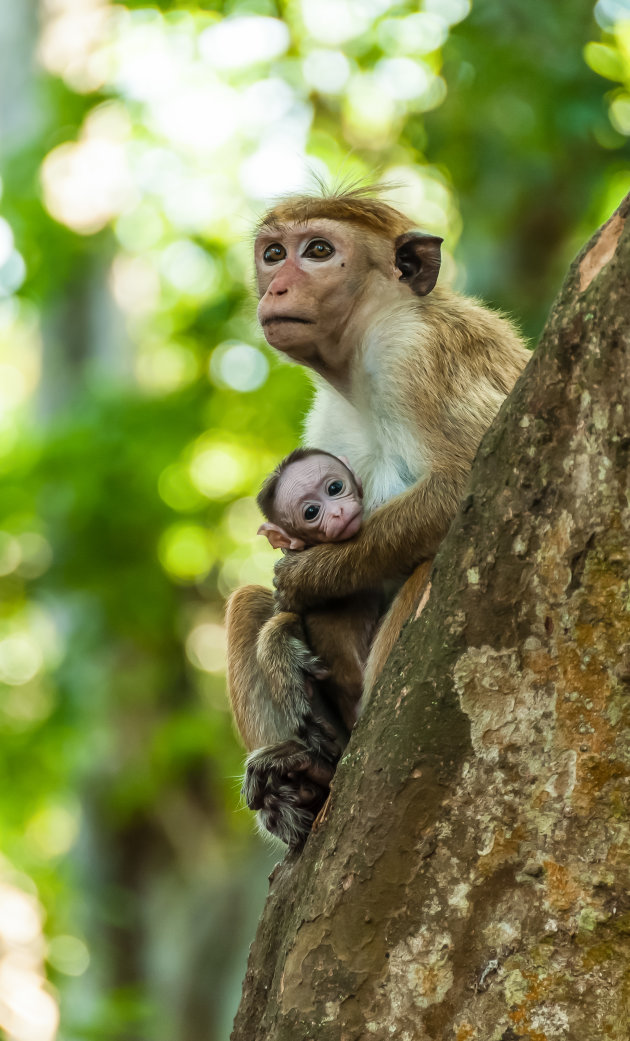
(140,409)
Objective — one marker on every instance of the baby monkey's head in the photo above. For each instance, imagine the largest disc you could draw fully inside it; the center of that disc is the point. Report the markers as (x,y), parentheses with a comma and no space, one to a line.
(310,497)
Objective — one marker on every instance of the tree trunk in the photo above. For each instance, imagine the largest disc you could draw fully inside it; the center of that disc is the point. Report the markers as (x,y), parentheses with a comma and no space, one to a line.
(471,879)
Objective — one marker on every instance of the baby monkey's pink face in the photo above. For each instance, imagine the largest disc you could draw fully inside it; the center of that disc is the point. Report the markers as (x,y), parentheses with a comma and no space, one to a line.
(318,499)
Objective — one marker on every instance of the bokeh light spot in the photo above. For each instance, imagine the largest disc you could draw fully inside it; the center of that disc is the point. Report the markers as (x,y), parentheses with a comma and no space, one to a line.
(36,554)
(370,111)
(280,166)
(189,269)
(403,78)
(609,12)
(26,705)
(336,21)
(12,274)
(20,659)
(141,228)
(419,33)
(218,469)
(264,103)
(10,553)
(620,113)
(68,954)
(451,11)
(242,519)
(326,70)
(53,830)
(135,284)
(166,367)
(86,184)
(238,366)
(72,40)
(185,552)
(6,241)
(20,918)
(27,1011)
(241,41)
(206,647)
(177,490)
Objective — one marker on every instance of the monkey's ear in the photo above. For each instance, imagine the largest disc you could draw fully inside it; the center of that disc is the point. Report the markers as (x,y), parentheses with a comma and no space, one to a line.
(357,479)
(279,538)
(418,260)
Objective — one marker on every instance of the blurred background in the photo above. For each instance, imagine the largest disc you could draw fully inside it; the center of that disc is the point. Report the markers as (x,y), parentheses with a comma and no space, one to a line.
(140,409)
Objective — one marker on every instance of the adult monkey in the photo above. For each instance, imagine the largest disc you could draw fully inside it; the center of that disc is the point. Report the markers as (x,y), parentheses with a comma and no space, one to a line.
(408,378)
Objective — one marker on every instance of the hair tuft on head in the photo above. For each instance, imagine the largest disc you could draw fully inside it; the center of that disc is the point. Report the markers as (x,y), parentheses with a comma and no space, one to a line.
(350,201)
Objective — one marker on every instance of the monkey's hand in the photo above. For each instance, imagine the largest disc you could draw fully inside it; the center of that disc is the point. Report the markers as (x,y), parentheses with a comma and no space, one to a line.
(312,576)
(391,543)
(288,784)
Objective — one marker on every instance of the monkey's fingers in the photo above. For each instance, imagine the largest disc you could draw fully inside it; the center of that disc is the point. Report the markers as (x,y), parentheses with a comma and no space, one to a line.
(316,771)
(288,581)
(290,824)
(267,768)
(308,795)
(288,812)
(304,781)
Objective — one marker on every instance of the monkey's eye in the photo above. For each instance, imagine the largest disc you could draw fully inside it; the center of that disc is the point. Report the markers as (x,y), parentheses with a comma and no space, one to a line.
(311,512)
(319,249)
(274,253)
(335,488)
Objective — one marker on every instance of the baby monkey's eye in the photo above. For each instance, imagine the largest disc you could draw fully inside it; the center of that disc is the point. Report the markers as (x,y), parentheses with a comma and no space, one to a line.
(319,249)
(311,512)
(274,253)
(335,488)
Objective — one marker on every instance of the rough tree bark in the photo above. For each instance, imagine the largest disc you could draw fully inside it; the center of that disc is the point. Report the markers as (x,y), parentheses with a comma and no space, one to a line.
(471,879)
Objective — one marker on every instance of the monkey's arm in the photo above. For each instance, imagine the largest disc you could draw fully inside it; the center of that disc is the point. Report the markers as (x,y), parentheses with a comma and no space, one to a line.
(393,540)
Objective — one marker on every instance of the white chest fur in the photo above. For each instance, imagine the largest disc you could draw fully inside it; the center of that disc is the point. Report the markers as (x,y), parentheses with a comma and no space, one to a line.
(380,445)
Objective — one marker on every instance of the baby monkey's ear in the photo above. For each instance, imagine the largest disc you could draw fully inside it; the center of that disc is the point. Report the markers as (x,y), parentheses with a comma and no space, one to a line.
(279,538)
(357,479)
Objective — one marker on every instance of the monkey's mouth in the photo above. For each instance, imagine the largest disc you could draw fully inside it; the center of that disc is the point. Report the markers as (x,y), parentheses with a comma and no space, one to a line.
(349,529)
(285,318)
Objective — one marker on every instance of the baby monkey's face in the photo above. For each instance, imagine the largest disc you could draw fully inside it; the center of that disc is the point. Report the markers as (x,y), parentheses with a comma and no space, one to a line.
(319,500)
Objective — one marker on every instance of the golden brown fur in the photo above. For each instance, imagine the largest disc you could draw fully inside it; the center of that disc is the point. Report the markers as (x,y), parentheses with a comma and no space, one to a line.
(408,379)
(358,206)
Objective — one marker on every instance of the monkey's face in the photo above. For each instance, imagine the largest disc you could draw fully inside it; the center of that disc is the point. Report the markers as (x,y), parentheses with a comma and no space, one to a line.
(319,499)
(311,281)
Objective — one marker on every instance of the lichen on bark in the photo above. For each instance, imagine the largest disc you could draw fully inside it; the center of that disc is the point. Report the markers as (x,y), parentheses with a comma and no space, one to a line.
(471,878)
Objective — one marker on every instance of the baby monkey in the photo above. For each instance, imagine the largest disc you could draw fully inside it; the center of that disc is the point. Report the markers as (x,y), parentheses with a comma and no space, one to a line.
(312,664)
(311,497)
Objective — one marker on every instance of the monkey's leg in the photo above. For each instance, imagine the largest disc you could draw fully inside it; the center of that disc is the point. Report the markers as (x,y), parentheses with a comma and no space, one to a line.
(294,749)
(286,662)
(403,606)
(246,613)
(289,783)
(342,633)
